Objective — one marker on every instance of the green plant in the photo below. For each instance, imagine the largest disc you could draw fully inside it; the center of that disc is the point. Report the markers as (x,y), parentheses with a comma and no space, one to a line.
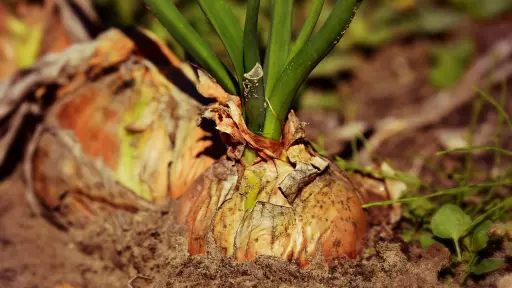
(259,199)
(268,93)
(468,225)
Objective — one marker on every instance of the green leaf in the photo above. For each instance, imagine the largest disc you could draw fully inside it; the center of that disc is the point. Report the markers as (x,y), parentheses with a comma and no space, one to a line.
(167,13)
(427,240)
(251,46)
(254,88)
(480,236)
(486,266)
(279,42)
(299,68)
(307,28)
(254,103)
(450,63)
(227,27)
(450,222)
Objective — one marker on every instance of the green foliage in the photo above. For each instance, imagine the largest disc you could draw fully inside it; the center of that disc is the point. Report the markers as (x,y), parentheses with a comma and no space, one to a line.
(299,68)
(480,236)
(426,240)
(279,42)
(450,62)
(477,148)
(254,87)
(307,29)
(251,45)
(484,9)
(503,114)
(185,34)
(227,27)
(282,80)
(486,266)
(450,222)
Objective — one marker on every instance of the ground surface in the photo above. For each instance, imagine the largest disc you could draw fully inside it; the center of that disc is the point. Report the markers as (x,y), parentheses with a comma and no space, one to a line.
(152,247)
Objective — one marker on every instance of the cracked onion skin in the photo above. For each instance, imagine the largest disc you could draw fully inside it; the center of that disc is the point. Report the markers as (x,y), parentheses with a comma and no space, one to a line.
(291,203)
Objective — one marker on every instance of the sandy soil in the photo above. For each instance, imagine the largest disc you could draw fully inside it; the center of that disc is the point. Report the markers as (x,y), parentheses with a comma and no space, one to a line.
(151,249)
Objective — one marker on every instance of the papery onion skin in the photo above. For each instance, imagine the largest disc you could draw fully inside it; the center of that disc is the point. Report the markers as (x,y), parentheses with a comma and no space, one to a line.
(326,216)
(118,133)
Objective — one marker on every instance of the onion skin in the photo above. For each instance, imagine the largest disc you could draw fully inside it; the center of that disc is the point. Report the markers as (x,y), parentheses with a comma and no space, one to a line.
(291,203)
(326,216)
(119,134)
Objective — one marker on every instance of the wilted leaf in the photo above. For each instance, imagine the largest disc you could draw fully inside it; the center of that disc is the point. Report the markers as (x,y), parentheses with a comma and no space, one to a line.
(486,266)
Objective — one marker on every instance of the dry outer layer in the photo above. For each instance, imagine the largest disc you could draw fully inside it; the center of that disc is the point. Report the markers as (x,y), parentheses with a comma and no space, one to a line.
(115,127)
(153,247)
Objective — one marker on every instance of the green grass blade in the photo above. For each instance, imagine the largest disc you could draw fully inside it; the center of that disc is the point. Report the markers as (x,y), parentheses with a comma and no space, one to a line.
(444,192)
(167,13)
(501,119)
(477,148)
(297,71)
(225,23)
(307,28)
(254,90)
(496,105)
(481,218)
(251,48)
(279,42)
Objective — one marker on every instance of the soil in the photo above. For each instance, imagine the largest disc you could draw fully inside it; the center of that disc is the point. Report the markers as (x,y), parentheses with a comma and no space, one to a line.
(150,250)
